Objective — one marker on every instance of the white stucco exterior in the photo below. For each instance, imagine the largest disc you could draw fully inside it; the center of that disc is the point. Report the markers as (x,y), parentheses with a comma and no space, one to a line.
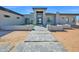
(12,20)
(70,19)
(51,17)
(55,18)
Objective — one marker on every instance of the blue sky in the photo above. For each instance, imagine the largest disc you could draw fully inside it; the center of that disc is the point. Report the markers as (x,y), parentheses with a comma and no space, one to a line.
(50,9)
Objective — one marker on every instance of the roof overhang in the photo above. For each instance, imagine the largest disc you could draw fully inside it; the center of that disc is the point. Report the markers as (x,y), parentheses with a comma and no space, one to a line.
(63,14)
(8,10)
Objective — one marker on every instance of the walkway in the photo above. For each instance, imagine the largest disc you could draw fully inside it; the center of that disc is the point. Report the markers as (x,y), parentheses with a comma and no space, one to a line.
(40,40)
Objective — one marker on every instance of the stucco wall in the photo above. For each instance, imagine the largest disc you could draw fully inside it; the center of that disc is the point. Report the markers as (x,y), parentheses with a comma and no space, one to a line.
(52,18)
(12,20)
(60,19)
(30,17)
(69,17)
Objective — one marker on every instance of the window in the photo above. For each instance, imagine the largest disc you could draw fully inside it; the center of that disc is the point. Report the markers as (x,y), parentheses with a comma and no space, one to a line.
(73,20)
(27,20)
(18,17)
(39,15)
(7,16)
(67,20)
(48,20)
(63,17)
(39,20)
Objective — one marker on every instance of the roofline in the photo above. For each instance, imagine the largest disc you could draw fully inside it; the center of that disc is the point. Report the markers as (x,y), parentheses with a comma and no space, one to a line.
(39,8)
(8,10)
(63,13)
(69,14)
(51,13)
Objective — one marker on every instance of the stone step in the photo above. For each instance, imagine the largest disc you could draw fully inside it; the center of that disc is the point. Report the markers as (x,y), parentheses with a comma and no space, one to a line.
(40,36)
(39,28)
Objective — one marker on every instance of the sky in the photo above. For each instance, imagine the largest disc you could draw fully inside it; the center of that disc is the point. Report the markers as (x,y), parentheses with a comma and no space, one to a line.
(50,9)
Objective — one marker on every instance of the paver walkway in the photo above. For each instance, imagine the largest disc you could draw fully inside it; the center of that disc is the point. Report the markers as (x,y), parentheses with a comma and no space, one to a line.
(40,40)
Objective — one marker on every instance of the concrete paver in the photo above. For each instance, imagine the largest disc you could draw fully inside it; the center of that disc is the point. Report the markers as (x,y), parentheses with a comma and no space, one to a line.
(40,47)
(40,41)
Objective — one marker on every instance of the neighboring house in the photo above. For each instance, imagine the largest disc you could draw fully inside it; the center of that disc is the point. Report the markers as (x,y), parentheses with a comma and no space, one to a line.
(38,17)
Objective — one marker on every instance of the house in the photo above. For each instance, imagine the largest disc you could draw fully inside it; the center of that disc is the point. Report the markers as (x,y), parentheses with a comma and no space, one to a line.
(38,17)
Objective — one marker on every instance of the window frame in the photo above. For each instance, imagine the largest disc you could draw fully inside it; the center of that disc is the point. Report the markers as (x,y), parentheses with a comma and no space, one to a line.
(7,16)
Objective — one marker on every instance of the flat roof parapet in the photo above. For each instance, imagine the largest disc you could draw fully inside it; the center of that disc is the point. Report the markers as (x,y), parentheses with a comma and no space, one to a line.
(39,8)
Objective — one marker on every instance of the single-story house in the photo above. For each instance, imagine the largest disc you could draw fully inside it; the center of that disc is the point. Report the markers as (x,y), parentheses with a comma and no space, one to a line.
(38,17)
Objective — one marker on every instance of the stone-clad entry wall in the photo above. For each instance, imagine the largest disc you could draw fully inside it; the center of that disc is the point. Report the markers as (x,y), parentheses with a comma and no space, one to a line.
(39,16)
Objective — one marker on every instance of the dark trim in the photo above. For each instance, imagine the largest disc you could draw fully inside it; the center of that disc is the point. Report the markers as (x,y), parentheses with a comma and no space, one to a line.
(50,14)
(39,8)
(5,9)
(68,14)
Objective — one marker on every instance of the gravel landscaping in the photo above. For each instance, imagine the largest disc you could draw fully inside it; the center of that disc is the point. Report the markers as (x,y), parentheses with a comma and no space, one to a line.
(69,38)
(9,40)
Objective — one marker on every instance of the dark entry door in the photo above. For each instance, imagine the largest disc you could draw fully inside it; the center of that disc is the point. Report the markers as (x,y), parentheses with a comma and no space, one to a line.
(39,17)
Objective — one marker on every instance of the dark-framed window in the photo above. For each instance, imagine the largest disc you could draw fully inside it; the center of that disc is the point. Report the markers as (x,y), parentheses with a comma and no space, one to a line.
(7,16)
(27,20)
(63,17)
(18,17)
(48,20)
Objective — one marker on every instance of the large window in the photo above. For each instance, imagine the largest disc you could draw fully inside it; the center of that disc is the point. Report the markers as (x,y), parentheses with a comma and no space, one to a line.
(67,20)
(48,20)
(27,21)
(63,17)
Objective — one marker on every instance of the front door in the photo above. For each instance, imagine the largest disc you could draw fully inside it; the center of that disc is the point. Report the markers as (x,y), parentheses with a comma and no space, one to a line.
(39,17)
